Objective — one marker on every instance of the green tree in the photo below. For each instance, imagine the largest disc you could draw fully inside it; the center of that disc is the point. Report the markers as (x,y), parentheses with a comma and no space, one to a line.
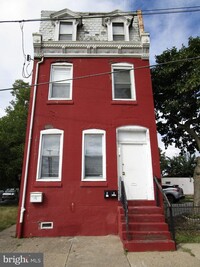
(12,135)
(163,162)
(176,88)
(178,166)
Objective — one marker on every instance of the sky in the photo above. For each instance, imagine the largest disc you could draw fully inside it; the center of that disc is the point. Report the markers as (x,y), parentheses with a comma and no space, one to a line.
(165,31)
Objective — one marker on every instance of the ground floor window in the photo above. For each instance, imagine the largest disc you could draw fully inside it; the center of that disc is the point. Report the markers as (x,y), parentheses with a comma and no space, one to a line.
(50,155)
(93,155)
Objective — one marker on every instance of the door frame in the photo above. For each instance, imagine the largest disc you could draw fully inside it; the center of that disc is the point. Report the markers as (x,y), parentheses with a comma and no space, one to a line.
(120,141)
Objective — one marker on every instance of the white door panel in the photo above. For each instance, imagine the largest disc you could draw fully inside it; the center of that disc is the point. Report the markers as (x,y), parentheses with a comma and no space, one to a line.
(134,170)
(134,165)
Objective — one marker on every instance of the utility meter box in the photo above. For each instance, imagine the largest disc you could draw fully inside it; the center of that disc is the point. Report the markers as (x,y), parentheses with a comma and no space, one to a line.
(36,197)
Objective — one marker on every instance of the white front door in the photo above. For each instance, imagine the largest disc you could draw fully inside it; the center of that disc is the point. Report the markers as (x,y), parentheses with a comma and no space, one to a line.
(135,166)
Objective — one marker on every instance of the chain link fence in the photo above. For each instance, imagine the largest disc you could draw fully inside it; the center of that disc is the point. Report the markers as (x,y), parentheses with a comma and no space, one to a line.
(186,218)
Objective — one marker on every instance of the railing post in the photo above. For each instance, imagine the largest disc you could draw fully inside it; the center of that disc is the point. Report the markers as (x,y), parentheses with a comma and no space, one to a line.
(172,229)
(169,206)
(124,202)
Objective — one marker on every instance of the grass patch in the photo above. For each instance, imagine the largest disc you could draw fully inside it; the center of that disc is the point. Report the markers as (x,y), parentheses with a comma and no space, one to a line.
(187,237)
(8,216)
(188,198)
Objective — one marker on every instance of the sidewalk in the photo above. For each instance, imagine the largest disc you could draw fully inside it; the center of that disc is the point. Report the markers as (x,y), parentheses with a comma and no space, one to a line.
(105,251)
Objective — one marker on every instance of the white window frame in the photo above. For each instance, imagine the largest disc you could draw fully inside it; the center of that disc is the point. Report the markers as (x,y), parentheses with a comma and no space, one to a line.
(126,23)
(74,30)
(50,132)
(125,66)
(69,80)
(97,132)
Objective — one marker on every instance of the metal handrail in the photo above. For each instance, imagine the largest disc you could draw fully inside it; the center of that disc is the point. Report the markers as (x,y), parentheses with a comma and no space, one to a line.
(171,224)
(124,202)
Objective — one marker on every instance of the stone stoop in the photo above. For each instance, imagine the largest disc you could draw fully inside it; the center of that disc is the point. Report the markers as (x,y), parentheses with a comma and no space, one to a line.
(147,229)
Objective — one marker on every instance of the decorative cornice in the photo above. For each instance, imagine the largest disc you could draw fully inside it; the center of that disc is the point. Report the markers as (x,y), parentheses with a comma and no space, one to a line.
(91,44)
(91,49)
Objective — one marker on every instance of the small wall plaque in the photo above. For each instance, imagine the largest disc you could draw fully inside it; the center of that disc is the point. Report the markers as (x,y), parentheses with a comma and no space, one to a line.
(36,197)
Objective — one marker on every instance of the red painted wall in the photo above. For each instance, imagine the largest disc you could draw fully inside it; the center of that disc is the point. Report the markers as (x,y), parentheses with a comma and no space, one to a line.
(75,207)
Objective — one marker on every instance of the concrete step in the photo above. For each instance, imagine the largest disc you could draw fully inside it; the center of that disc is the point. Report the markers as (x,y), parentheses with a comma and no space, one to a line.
(147,230)
(146,235)
(144,218)
(149,245)
(141,203)
(142,210)
(146,226)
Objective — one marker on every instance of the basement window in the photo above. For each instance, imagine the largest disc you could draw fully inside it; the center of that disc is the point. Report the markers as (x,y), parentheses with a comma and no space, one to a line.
(46,225)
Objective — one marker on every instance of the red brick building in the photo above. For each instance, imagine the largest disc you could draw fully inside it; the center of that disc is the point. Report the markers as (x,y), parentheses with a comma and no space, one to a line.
(91,124)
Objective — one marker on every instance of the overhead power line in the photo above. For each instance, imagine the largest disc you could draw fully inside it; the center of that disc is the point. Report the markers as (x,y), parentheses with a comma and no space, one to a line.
(170,10)
(101,15)
(106,73)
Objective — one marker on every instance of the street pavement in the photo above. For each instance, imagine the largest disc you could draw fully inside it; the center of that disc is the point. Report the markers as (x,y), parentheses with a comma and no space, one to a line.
(103,251)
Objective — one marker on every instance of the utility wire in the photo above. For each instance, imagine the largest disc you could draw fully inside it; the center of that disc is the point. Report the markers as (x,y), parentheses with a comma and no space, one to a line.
(170,10)
(144,13)
(27,58)
(106,73)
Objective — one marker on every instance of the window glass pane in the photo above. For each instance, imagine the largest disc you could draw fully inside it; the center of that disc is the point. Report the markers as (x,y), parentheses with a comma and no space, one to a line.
(60,73)
(118,31)
(122,84)
(66,37)
(65,32)
(65,27)
(118,28)
(60,90)
(122,76)
(50,154)
(93,166)
(93,144)
(122,91)
(93,155)
(118,37)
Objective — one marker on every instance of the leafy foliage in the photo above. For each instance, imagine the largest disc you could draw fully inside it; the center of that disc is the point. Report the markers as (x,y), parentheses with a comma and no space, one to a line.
(12,135)
(178,166)
(176,88)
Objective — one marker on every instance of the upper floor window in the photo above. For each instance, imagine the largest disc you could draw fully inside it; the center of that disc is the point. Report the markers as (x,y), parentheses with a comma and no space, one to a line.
(123,85)
(50,155)
(65,31)
(118,28)
(118,31)
(94,155)
(60,87)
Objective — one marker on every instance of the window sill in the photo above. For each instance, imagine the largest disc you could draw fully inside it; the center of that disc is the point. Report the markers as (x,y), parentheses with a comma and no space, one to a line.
(93,184)
(124,102)
(47,184)
(60,102)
